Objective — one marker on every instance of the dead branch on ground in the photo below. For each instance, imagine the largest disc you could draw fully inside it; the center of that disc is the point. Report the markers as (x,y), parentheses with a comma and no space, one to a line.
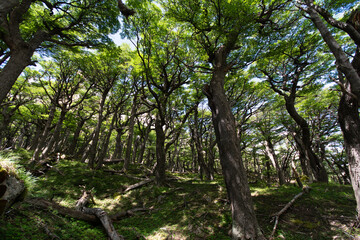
(287,206)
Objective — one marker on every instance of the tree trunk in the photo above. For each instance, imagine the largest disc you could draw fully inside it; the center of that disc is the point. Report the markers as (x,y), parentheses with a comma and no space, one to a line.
(350,125)
(143,143)
(55,136)
(269,149)
(118,145)
(199,148)
(130,136)
(244,222)
(95,140)
(72,148)
(160,151)
(44,135)
(18,61)
(105,145)
(304,161)
(316,166)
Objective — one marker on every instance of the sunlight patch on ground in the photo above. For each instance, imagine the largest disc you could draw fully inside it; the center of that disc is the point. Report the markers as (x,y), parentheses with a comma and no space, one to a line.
(167,232)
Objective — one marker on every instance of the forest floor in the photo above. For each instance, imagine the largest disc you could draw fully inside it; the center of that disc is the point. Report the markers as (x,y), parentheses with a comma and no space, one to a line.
(187,208)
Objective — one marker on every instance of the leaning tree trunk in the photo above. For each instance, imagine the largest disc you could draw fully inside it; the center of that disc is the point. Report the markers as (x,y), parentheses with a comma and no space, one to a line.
(56,135)
(44,135)
(315,163)
(244,222)
(19,60)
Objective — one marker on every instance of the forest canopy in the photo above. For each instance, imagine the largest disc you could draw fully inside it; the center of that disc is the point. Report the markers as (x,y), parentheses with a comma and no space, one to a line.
(249,92)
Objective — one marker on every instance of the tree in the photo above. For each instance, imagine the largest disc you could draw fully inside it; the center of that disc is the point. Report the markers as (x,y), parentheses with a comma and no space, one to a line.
(31,25)
(291,72)
(163,75)
(221,30)
(104,69)
(349,103)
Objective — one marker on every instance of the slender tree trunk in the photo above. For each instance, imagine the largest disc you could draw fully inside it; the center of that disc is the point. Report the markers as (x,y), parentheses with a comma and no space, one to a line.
(44,135)
(56,135)
(244,222)
(95,140)
(130,136)
(316,166)
(118,145)
(304,161)
(269,149)
(106,141)
(143,143)
(160,151)
(74,142)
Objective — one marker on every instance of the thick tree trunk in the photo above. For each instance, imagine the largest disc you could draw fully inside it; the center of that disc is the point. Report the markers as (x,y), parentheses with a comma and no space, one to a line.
(244,222)
(350,126)
(160,176)
(18,61)
(348,106)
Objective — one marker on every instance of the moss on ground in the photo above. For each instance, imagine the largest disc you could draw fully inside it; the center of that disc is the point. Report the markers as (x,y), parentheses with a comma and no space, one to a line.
(185,209)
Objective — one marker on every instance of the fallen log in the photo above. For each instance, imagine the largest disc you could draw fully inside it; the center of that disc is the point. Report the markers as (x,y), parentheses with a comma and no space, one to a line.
(99,213)
(287,206)
(139,184)
(64,211)
(77,214)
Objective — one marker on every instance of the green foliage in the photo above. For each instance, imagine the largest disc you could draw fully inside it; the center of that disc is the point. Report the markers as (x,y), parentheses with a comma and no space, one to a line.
(11,162)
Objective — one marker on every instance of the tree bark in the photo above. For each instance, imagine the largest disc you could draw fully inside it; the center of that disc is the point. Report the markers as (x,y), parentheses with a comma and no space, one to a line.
(160,175)
(348,107)
(199,148)
(19,60)
(350,125)
(244,222)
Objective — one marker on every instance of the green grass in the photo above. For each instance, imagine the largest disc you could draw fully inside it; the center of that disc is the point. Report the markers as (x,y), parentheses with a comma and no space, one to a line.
(185,209)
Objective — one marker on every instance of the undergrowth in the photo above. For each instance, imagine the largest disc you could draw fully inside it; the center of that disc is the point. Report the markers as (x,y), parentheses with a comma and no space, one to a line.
(187,208)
